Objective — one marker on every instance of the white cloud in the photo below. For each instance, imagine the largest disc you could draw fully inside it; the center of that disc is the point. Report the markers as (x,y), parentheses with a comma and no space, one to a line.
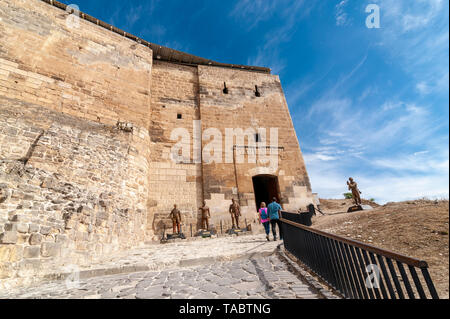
(416,36)
(268,58)
(396,151)
(356,143)
(290,13)
(127,14)
(419,162)
(318,157)
(328,179)
(369,91)
(423,87)
(399,188)
(340,14)
(254,11)
(132,16)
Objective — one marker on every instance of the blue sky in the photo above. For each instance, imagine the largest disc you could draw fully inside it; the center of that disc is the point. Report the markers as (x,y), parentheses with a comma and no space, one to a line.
(367,103)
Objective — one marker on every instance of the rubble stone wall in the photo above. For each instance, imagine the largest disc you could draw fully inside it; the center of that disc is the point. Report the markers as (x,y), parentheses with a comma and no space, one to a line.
(74,142)
(74,189)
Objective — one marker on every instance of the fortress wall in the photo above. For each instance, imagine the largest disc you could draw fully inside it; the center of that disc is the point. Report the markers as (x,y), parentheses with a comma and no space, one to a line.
(174,92)
(86,124)
(85,71)
(75,184)
(240,108)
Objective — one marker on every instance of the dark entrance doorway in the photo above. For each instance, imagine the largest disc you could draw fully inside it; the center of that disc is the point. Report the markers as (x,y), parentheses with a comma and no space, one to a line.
(265,187)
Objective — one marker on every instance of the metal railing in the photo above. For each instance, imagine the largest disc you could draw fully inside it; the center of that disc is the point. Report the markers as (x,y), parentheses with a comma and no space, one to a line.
(355,269)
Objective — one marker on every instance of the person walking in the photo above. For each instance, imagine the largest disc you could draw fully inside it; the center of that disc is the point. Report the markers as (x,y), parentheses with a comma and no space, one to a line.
(274,210)
(264,219)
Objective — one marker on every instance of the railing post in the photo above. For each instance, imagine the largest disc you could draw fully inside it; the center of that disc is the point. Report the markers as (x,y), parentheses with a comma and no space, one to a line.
(429,282)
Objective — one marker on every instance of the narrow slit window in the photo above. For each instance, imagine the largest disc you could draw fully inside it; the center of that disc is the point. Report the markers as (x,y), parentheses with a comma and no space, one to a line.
(257,138)
(257,93)
(225,89)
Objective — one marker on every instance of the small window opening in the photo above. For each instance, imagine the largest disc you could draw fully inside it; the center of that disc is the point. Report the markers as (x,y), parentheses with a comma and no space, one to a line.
(179,116)
(257,93)
(257,138)
(225,89)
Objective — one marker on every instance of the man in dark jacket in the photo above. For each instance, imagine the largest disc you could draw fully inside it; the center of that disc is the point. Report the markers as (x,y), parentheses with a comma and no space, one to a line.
(274,210)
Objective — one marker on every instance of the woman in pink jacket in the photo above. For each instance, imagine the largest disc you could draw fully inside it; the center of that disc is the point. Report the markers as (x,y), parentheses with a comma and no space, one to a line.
(264,219)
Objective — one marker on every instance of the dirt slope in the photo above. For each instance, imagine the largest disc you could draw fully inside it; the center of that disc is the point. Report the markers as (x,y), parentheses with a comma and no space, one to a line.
(415,228)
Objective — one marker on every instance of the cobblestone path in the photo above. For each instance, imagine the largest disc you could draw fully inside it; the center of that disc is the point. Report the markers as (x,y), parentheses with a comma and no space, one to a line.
(260,277)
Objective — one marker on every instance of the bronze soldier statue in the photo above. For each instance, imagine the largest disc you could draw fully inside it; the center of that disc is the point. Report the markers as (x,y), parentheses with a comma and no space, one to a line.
(235,212)
(355,191)
(175,215)
(205,216)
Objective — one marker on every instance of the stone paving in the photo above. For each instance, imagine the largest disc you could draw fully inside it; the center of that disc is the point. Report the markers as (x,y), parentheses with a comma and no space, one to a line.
(228,267)
(255,278)
(181,253)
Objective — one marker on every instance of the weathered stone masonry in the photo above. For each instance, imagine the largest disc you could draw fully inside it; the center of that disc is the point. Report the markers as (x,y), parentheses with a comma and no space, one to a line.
(86,117)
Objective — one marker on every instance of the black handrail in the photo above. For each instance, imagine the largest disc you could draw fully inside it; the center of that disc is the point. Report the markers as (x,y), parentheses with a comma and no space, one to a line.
(356,270)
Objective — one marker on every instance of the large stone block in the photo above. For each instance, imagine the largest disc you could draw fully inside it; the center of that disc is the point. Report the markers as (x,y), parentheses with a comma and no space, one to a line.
(8,237)
(32,252)
(10,227)
(11,253)
(60,238)
(35,239)
(45,230)
(33,228)
(6,269)
(28,268)
(50,249)
(23,228)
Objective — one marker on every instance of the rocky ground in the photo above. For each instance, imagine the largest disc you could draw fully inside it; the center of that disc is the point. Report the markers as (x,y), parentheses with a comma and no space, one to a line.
(416,228)
(226,267)
(256,278)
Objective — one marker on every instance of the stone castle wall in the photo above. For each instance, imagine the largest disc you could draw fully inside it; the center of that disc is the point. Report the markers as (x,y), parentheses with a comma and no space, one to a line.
(241,108)
(76,183)
(88,122)
(174,94)
(69,196)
